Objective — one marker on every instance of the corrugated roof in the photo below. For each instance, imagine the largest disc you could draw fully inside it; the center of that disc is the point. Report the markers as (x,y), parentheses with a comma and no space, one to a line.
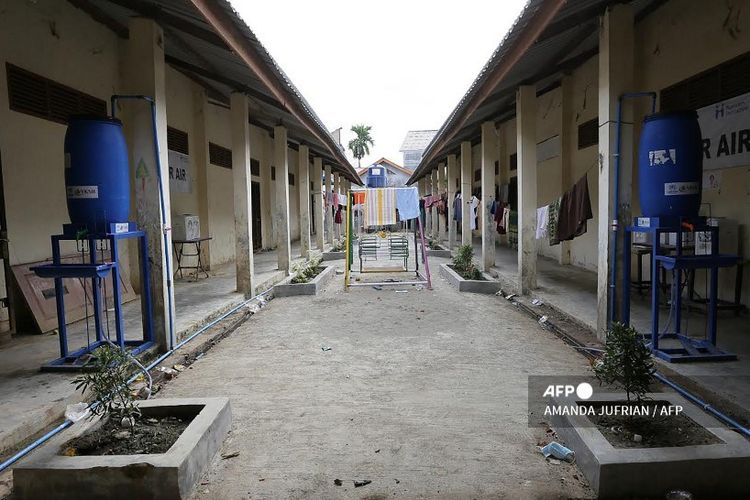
(417,140)
(565,40)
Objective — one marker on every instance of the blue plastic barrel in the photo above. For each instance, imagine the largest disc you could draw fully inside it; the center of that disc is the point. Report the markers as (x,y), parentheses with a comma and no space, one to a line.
(97,178)
(376,177)
(670,165)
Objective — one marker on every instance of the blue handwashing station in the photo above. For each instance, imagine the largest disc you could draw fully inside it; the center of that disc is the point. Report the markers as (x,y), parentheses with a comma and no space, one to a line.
(670,168)
(97,183)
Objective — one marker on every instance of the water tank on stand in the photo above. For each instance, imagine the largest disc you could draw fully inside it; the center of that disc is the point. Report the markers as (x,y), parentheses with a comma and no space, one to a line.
(376,177)
(670,165)
(97,178)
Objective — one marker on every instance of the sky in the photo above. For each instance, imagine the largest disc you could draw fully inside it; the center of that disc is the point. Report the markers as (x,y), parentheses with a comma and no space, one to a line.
(396,65)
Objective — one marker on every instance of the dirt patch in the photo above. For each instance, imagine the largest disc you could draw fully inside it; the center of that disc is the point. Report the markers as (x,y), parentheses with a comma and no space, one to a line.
(656,430)
(150,435)
(474,275)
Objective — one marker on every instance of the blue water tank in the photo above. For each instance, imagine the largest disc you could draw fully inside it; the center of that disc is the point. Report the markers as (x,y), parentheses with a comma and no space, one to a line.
(670,165)
(97,178)
(376,177)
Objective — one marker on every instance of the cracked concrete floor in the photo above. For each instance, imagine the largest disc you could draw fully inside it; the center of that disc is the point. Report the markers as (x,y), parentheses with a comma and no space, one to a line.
(423,393)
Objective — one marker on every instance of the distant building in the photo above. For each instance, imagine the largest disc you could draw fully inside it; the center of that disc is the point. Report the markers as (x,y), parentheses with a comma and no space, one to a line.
(415,142)
(396,175)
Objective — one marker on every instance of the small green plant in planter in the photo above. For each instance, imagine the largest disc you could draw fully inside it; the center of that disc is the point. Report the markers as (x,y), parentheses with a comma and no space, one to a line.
(463,263)
(337,246)
(627,362)
(306,271)
(108,381)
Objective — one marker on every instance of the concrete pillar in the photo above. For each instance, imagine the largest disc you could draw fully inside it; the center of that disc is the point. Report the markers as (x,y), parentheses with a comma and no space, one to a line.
(144,73)
(452,179)
(303,174)
(489,154)
(319,202)
(283,236)
(527,186)
(616,54)
(241,178)
(466,181)
(336,189)
(327,189)
(435,190)
(199,155)
(267,194)
(566,136)
(441,232)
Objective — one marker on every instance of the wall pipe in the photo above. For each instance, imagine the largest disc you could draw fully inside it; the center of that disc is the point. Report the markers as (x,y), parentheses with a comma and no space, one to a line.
(615,220)
(67,423)
(165,229)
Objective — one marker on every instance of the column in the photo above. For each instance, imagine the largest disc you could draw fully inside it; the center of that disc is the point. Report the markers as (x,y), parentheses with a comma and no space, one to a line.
(527,189)
(441,232)
(303,174)
(199,154)
(566,133)
(144,73)
(281,159)
(452,180)
(318,202)
(241,179)
(616,42)
(435,189)
(267,194)
(489,154)
(337,190)
(327,189)
(466,180)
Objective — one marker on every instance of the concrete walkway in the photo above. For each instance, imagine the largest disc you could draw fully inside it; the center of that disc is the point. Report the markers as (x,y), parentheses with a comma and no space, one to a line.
(424,393)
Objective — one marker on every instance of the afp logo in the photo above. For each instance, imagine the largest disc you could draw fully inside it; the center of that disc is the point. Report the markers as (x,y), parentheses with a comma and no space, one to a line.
(582,390)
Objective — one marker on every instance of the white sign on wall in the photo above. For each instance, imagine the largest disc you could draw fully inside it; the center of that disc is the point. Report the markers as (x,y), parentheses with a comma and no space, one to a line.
(179,172)
(725,127)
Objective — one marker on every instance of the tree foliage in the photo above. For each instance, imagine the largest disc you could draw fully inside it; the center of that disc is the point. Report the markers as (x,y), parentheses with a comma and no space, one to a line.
(463,263)
(360,145)
(108,380)
(627,362)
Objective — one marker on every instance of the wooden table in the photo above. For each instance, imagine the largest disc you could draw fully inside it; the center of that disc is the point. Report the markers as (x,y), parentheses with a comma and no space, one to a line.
(179,250)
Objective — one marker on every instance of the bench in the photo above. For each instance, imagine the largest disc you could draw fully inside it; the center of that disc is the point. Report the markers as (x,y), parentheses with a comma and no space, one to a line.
(368,249)
(398,249)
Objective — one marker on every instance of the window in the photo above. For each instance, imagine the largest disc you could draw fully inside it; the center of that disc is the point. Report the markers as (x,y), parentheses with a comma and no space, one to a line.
(478,175)
(719,83)
(273,173)
(588,133)
(219,156)
(497,167)
(514,161)
(177,140)
(254,167)
(291,179)
(38,96)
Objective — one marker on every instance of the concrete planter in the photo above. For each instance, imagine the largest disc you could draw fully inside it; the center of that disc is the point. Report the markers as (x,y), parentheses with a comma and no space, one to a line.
(710,470)
(170,475)
(289,289)
(334,255)
(474,286)
(439,252)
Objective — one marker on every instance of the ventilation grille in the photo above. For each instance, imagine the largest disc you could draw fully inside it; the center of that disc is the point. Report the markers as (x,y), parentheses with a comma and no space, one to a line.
(219,155)
(38,96)
(588,133)
(177,140)
(254,167)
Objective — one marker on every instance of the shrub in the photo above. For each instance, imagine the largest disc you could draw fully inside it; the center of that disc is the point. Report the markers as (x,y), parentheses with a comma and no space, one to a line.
(108,380)
(306,271)
(626,363)
(463,263)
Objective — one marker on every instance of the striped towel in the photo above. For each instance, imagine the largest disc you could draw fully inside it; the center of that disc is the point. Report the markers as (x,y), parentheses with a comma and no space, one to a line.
(380,207)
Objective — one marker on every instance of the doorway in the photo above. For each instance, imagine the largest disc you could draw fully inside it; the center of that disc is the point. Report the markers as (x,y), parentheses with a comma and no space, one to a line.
(255,210)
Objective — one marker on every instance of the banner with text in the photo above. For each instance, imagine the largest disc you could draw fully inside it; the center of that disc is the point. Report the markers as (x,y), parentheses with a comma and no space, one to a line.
(725,127)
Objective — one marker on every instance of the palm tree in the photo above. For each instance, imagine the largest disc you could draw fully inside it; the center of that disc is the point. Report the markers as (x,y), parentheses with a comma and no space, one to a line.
(360,146)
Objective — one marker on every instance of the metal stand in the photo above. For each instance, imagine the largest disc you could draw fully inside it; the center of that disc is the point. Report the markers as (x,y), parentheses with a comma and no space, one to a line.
(96,271)
(690,349)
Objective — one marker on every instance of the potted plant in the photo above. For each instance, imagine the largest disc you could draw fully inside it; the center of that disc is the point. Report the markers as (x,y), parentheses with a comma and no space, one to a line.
(307,278)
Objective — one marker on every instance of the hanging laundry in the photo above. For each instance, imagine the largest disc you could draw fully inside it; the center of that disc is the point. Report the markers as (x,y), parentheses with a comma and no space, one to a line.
(500,217)
(575,210)
(359,197)
(407,203)
(473,204)
(337,217)
(553,216)
(541,221)
(504,193)
(457,213)
(380,207)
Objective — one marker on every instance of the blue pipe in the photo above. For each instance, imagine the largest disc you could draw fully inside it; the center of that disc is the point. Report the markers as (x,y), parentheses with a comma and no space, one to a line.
(705,406)
(616,218)
(67,423)
(167,247)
